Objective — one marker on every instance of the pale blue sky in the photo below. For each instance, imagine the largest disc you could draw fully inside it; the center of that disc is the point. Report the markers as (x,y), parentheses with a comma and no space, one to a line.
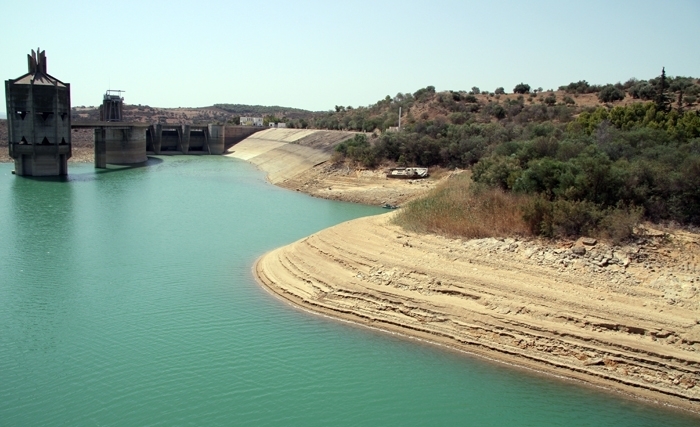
(318,54)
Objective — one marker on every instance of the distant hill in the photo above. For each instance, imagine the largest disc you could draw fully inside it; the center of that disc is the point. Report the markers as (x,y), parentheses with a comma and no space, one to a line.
(262,110)
(218,113)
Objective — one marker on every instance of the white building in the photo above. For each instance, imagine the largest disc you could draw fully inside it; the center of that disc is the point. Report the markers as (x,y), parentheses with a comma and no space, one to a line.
(251,121)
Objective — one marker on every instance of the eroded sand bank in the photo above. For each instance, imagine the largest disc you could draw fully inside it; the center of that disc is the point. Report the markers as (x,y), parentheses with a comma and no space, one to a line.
(612,326)
(624,318)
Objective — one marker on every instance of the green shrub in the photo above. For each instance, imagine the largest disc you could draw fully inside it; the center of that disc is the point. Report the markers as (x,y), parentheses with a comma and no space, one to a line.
(497,171)
(581,86)
(538,215)
(574,218)
(358,149)
(618,223)
(610,93)
(521,88)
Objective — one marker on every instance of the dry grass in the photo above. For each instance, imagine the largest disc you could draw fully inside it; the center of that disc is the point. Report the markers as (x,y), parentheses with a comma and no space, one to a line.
(456,209)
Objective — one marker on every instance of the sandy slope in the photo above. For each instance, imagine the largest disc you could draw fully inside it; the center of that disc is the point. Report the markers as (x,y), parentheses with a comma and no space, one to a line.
(299,159)
(627,318)
(545,308)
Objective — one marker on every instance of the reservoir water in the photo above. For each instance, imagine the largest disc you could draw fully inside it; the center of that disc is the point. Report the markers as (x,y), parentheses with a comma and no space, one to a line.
(127,299)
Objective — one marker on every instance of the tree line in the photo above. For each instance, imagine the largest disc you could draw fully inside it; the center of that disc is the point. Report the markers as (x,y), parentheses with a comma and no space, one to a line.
(583,169)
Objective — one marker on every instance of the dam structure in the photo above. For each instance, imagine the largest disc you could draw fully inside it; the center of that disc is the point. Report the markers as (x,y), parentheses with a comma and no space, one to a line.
(123,143)
(39,128)
(130,143)
(163,138)
(117,142)
(39,120)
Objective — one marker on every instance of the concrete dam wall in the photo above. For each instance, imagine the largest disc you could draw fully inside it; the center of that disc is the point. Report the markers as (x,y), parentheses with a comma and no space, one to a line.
(285,153)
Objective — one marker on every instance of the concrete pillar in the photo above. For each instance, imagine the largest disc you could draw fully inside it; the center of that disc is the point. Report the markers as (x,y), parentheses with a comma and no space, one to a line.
(125,145)
(157,136)
(100,149)
(185,139)
(217,135)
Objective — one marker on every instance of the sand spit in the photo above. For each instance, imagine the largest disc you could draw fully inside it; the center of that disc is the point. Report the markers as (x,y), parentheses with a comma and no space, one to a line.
(614,317)
(626,318)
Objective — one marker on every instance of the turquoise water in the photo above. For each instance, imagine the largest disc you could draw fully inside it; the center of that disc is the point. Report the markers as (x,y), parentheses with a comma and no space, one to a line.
(127,299)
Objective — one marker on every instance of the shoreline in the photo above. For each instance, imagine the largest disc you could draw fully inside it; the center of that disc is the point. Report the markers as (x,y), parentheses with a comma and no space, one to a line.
(624,320)
(372,280)
(599,386)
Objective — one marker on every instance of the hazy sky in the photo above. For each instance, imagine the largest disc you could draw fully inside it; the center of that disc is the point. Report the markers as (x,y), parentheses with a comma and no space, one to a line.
(318,54)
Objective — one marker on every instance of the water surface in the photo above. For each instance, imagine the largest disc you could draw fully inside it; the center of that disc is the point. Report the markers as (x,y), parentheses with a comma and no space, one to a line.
(127,298)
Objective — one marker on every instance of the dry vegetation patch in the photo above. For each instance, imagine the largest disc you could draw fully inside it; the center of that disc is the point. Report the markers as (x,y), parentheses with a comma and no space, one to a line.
(456,209)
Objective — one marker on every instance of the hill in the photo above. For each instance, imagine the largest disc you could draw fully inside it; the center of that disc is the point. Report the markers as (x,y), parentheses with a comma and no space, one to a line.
(579,161)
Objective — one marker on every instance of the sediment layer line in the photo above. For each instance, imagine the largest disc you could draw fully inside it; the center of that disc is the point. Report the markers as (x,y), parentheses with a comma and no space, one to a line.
(497,303)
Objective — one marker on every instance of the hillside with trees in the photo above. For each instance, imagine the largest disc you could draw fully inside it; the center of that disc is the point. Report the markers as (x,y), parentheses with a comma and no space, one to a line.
(582,160)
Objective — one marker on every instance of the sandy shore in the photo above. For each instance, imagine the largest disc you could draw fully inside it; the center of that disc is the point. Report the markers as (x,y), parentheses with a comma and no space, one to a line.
(624,318)
(628,325)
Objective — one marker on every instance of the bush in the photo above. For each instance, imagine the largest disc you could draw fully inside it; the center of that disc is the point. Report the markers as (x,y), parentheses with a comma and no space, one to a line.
(581,86)
(611,94)
(358,149)
(521,88)
(574,218)
(425,93)
(498,171)
(642,90)
(497,111)
(550,99)
(459,118)
(537,214)
(499,91)
(618,223)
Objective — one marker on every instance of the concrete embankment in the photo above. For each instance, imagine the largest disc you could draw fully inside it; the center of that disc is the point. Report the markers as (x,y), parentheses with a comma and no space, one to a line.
(612,326)
(285,153)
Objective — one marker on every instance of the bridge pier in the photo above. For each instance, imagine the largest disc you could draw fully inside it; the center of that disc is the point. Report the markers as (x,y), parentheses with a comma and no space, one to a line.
(100,149)
(185,139)
(122,145)
(217,136)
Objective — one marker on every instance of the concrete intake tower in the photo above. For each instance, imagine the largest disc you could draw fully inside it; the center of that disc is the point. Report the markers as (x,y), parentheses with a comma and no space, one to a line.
(38,120)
